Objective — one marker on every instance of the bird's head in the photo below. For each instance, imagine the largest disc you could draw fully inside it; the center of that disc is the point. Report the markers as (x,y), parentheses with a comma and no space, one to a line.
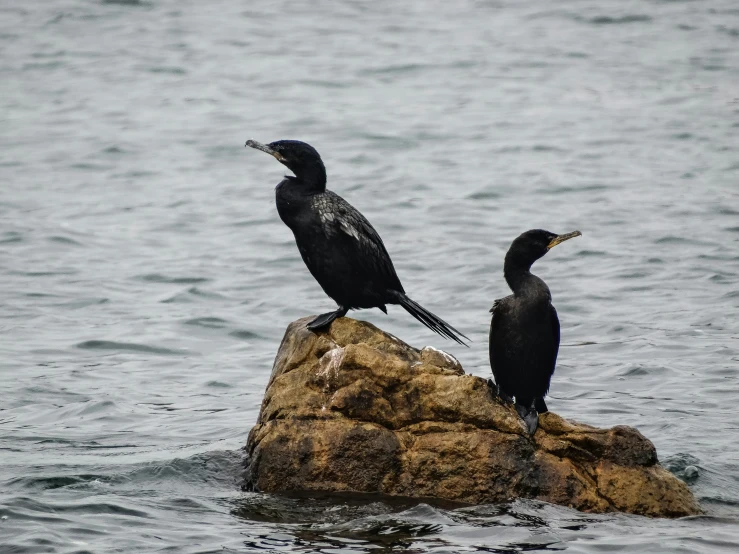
(299,157)
(532,245)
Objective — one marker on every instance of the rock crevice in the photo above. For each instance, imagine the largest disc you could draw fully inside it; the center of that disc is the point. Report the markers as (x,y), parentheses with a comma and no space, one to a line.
(355,409)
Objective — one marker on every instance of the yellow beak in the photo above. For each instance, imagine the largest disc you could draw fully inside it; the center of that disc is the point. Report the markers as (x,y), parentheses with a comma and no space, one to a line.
(561,238)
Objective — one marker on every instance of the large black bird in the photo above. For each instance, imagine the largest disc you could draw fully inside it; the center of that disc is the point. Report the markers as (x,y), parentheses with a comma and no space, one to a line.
(341,249)
(524,331)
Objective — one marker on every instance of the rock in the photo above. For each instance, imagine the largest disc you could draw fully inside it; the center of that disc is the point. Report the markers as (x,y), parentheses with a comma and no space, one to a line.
(355,409)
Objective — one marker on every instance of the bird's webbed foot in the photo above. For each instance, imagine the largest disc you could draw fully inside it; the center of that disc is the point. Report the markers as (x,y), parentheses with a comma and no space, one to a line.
(529,416)
(324,320)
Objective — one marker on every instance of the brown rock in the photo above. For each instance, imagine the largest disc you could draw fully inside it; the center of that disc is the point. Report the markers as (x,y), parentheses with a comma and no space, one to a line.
(355,409)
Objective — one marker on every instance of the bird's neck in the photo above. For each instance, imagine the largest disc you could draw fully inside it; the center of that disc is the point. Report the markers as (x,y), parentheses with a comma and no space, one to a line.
(518,275)
(312,176)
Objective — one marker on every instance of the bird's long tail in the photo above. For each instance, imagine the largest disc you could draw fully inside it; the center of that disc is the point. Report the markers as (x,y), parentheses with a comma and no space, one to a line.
(435,323)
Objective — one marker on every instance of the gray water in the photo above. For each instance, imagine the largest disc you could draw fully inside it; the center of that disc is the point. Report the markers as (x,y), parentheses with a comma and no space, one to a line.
(146,279)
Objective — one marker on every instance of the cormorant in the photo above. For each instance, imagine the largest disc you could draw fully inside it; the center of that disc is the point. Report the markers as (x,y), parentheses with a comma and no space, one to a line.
(524,331)
(341,249)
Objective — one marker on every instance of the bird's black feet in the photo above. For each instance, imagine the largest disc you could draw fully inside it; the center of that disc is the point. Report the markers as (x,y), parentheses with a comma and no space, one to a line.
(529,416)
(324,320)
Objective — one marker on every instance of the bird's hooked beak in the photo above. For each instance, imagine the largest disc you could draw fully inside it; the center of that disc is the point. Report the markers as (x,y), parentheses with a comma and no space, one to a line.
(264,148)
(561,238)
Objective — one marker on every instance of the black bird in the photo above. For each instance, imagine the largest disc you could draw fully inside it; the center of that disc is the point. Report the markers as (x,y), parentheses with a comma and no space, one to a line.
(341,249)
(524,331)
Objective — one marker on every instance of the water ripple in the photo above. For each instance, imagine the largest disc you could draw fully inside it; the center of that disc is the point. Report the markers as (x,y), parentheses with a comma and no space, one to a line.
(128,346)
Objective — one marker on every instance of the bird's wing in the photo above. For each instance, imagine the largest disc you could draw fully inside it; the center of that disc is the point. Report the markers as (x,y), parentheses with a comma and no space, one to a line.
(495,340)
(342,221)
(555,335)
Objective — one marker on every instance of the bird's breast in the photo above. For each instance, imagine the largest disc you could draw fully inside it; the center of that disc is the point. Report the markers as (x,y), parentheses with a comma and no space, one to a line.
(291,206)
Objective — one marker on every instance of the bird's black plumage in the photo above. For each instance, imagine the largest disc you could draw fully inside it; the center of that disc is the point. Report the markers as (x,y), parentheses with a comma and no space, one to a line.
(524,331)
(338,245)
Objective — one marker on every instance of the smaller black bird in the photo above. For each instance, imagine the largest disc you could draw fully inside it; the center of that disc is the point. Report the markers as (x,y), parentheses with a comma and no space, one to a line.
(524,331)
(341,249)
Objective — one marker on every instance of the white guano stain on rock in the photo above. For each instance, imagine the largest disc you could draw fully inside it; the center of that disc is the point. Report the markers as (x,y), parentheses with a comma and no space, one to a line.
(448,357)
(329,364)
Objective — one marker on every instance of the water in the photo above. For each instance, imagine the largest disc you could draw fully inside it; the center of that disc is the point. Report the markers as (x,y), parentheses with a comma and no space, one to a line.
(146,279)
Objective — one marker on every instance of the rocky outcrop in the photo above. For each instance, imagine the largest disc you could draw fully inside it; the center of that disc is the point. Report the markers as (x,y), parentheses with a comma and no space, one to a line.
(355,409)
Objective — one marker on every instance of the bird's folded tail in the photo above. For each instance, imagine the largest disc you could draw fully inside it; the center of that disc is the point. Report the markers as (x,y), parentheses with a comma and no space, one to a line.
(435,323)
